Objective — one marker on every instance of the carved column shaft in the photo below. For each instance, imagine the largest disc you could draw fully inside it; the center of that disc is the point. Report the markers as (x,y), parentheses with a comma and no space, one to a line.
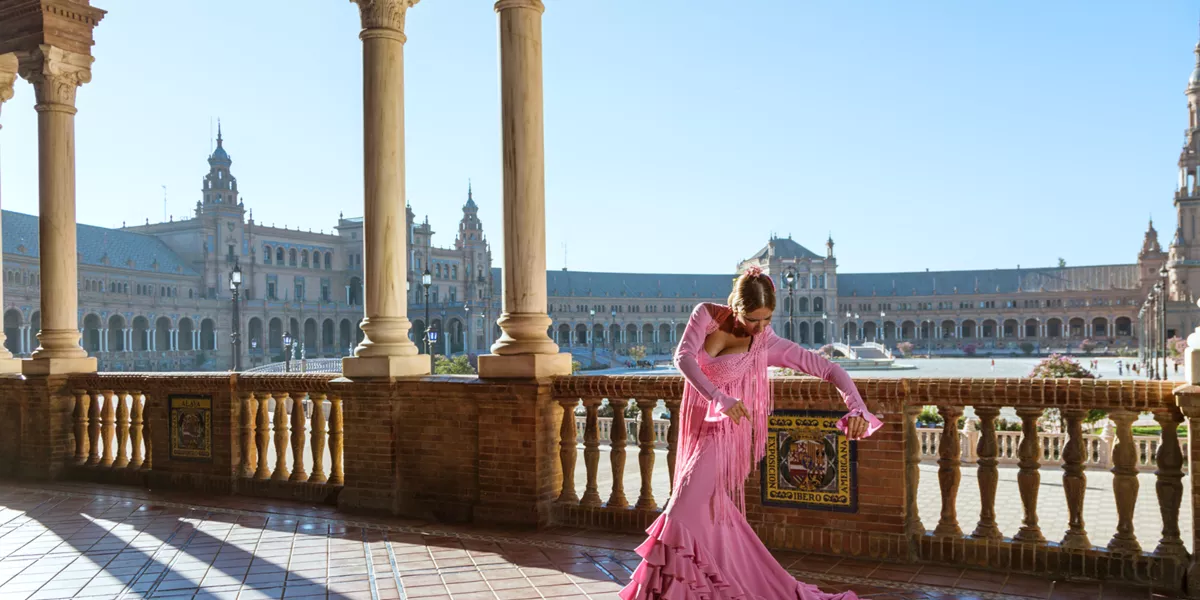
(386,349)
(1028,477)
(8,75)
(1074,480)
(249,451)
(912,471)
(949,474)
(318,438)
(567,451)
(987,450)
(121,460)
(646,453)
(591,452)
(336,476)
(299,430)
(524,320)
(262,431)
(137,427)
(55,75)
(1125,482)
(280,423)
(1169,484)
(619,436)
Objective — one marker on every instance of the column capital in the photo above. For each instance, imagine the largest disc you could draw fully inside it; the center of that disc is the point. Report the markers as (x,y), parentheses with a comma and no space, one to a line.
(55,73)
(8,76)
(531,4)
(384,14)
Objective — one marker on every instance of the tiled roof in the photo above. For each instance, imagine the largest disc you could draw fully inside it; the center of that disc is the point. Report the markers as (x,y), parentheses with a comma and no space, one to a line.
(990,281)
(97,246)
(785,248)
(636,285)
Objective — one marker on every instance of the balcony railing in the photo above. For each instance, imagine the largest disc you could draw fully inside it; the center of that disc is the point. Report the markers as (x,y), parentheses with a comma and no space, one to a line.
(456,448)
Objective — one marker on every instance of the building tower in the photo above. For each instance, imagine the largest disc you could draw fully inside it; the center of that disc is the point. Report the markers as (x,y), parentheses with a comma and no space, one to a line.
(477,264)
(1184,259)
(223,217)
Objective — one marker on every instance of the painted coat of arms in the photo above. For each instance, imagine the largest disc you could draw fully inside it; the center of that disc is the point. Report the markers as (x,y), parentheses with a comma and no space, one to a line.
(191,427)
(809,463)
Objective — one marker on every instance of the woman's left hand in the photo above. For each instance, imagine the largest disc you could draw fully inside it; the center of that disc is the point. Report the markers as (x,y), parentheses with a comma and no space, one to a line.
(856,428)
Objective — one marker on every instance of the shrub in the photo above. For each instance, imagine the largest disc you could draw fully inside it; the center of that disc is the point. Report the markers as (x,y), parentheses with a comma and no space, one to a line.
(606,410)
(1057,366)
(1087,346)
(576,366)
(636,352)
(929,417)
(457,365)
(969,349)
(1176,349)
(1027,348)
(905,348)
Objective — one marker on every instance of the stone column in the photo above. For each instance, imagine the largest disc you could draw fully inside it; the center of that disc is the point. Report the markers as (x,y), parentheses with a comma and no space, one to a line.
(55,74)
(8,75)
(385,350)
(523,350)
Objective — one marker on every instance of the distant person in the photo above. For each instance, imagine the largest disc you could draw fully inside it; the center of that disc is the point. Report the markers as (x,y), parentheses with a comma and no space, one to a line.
(1120,368)
(993,365)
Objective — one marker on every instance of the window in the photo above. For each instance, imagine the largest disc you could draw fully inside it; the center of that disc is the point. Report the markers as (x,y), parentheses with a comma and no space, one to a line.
(304,258)
(266,255)
(299,289)
(453,294)
(325,294)
(292,257)
(454,272)
(328,261)
(279,256)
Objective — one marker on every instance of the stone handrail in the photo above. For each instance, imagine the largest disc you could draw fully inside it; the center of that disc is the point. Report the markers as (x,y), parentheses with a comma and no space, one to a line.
(287,428)
(892,458)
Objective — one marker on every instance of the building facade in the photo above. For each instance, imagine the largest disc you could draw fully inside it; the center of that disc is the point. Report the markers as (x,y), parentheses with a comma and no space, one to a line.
(157,297)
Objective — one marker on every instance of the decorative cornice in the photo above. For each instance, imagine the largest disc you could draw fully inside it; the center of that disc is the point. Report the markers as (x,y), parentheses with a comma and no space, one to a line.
(55,74)
(383,14)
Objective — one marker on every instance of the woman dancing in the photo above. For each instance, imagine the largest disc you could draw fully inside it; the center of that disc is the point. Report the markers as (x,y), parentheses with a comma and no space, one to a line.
(701,547)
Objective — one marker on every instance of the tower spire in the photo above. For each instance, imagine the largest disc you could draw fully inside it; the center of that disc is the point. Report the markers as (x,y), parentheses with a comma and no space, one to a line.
(218,132)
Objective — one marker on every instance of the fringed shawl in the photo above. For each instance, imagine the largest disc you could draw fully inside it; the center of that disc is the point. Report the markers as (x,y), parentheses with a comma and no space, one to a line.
(741,446)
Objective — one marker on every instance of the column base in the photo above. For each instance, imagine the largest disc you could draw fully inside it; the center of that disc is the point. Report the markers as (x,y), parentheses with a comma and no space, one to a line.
(524,366)
(10,365)
(385,366)
(58,366)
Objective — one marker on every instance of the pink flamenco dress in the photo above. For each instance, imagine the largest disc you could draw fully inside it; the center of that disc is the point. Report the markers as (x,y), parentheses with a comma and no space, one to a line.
(701,547)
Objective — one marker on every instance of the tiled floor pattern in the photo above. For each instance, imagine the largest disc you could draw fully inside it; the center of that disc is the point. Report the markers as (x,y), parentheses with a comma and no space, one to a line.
(67,541)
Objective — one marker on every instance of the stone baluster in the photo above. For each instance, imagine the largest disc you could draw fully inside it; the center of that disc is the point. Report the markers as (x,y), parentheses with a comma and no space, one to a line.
(83,403)
(299,423)
(318,438)
(94,419)
(1074,480)
(122,455)
(646,454)
(591,452)
(672,438)
(336,476)
(949,475)
(987,474)
(567,452)
(1188,399)
(619,436)
(262,433)
(249,451)
(108,427)
(1028,478)
(912,471)
(1169,484)
(1125,482)
(280,423)
(137,429)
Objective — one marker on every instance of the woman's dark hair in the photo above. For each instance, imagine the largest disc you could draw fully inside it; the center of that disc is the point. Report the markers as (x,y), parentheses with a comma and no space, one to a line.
(752,290)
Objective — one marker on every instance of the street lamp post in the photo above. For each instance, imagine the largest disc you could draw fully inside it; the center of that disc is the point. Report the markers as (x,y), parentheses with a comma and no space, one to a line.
(235,284)
(879,333)
(824,329)
(467,333)
(612,339)
(1163,274)
(426,281)
(433,336)
(287,351)
(592,311)
(789,279)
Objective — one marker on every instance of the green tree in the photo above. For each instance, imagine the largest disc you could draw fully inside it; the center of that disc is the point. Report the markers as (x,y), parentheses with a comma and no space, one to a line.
(576,366)
(1027,348)
(456,365)
(1062,262)
(637,353)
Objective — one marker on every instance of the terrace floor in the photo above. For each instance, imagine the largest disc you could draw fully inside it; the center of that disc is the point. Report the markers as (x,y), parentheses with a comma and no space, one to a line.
(86,541)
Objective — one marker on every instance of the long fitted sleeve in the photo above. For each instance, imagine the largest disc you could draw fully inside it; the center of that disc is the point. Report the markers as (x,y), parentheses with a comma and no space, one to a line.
(786,353)
(691,344)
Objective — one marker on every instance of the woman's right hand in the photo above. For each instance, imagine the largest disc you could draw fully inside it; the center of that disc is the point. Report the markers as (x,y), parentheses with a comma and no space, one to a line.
(737,412)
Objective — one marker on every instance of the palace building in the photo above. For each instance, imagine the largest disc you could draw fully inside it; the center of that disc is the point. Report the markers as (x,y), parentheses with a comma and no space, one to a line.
(157,297)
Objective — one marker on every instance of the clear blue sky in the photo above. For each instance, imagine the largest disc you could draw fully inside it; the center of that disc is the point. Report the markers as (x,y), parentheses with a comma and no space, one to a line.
(679,133)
